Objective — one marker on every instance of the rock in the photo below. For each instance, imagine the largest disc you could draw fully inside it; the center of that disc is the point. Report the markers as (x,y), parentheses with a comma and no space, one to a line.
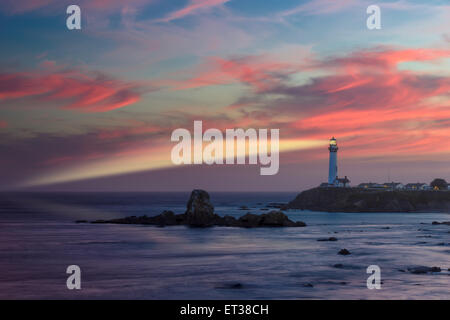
(200,211)
(423,269)
(344,252)
(166,218)
(308,285)
(81,221)
(445,222)
(271,219)
(236,285)
(328,239)
(435,269)
(338,265)
(275,205)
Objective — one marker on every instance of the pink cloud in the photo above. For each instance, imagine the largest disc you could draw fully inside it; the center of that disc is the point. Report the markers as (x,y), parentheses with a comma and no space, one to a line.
(193,7)
(73,90)
(256,71)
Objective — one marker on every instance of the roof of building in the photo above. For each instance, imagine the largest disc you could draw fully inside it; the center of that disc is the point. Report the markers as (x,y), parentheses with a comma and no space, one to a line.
(393,183)
(416,184)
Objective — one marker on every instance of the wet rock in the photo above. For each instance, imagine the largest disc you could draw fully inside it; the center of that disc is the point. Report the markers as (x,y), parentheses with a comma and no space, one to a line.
(271,219)
(81,221)
(328,239)
(200,211)
(338,265)
(236,285)
(344,252)
(423,270)
(438,223)
(308,285)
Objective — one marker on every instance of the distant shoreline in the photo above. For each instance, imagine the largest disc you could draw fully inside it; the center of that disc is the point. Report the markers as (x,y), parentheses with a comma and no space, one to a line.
(371,200)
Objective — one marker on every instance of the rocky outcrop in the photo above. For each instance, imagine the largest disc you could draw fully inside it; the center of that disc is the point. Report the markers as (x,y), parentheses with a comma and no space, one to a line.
(200,213)
(344,252)
(423,270)
(438,223)
(363,200)
(271,219)
(328,239)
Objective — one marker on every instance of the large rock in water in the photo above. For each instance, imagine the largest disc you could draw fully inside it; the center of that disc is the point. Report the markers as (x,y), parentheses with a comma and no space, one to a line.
(200,211)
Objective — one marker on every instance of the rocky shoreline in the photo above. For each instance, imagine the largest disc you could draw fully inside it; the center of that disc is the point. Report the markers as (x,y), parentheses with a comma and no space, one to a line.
(200,213)
(362,200)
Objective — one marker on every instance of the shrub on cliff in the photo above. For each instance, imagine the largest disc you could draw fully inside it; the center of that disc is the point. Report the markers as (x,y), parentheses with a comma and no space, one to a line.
(439,184)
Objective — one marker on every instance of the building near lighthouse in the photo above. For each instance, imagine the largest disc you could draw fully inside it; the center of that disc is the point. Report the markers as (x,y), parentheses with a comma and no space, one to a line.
(333,178)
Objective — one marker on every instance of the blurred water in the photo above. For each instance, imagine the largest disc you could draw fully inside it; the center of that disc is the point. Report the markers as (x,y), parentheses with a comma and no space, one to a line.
(39,239)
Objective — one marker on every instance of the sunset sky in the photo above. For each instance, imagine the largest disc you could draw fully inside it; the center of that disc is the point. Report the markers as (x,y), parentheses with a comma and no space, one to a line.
(94,109)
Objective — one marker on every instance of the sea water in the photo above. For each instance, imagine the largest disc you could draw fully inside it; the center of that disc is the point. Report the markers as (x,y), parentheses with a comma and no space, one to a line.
(39,239)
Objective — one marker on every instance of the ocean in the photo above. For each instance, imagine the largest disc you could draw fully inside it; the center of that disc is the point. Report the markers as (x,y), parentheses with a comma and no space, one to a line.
(39,239)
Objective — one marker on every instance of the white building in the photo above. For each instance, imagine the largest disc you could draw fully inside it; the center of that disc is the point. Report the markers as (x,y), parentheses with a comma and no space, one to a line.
(417,186)
(332,168)
(333,179)
(394,185)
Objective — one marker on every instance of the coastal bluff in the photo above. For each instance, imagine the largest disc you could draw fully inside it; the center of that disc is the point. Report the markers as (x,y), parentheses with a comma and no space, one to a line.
(200,213)
(366,200)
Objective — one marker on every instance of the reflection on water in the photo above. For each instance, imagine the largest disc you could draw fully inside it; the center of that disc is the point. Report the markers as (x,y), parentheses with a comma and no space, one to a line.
(39,239)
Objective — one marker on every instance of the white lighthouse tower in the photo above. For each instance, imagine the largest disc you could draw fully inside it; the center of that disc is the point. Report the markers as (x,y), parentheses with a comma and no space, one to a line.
(332,170)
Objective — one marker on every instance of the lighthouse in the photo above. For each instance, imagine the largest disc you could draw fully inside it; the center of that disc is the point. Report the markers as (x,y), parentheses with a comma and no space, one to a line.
(332,170)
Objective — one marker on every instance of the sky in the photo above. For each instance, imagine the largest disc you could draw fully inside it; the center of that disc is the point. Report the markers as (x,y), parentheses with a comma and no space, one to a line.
(94,109)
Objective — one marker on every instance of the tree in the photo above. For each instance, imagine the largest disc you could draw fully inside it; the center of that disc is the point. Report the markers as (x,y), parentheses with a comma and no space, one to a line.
(439,184)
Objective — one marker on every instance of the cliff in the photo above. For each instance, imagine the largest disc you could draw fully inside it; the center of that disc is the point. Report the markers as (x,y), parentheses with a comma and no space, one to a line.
(364,200)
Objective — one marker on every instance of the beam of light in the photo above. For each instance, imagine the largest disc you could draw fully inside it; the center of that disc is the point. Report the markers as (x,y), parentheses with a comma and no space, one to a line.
(142,160)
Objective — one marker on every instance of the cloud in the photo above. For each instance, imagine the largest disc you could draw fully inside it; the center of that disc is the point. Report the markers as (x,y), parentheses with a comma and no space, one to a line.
(320,7)
(260,72)
(193,7)
(87,92)
(54,7)
(364,98)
